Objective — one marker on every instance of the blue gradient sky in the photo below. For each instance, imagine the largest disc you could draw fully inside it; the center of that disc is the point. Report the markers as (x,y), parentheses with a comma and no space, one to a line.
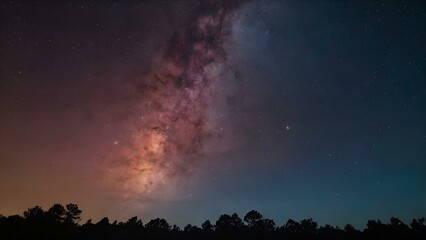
(328,120)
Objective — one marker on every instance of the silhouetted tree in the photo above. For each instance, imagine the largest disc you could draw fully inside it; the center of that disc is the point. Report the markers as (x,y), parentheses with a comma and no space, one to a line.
(223,224)
(308,226)
(35,213)
(191,228)
(62,223)
(349,228)
(292,226)
(56,213)
(207,226)
(252,219)
(158,224)
(395,223)
(325,230)
(104,222)
(175,228)
(187,228)
(72,214)
(418,223)
(134,222)
(256,222)
(236,221)
(397,228)
(227,223)
(418,227)
(375,226)
(268,225)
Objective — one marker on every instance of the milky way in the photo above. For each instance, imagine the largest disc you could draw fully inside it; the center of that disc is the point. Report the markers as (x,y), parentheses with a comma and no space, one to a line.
(190,109)
(170,121)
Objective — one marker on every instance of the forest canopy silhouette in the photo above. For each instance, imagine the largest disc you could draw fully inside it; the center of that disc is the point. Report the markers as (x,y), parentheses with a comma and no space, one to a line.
(64,222)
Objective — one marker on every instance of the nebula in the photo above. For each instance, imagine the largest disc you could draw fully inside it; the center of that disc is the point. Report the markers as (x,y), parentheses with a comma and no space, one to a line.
(170,120)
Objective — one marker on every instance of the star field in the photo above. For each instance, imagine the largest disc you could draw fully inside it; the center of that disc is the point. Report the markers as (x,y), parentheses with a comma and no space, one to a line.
(190,109)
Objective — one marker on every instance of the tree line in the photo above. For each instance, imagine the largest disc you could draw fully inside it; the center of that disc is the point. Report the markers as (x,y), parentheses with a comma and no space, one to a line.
(63,222)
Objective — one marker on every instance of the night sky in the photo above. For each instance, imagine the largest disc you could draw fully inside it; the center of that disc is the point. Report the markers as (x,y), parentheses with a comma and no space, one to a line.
(187,110)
